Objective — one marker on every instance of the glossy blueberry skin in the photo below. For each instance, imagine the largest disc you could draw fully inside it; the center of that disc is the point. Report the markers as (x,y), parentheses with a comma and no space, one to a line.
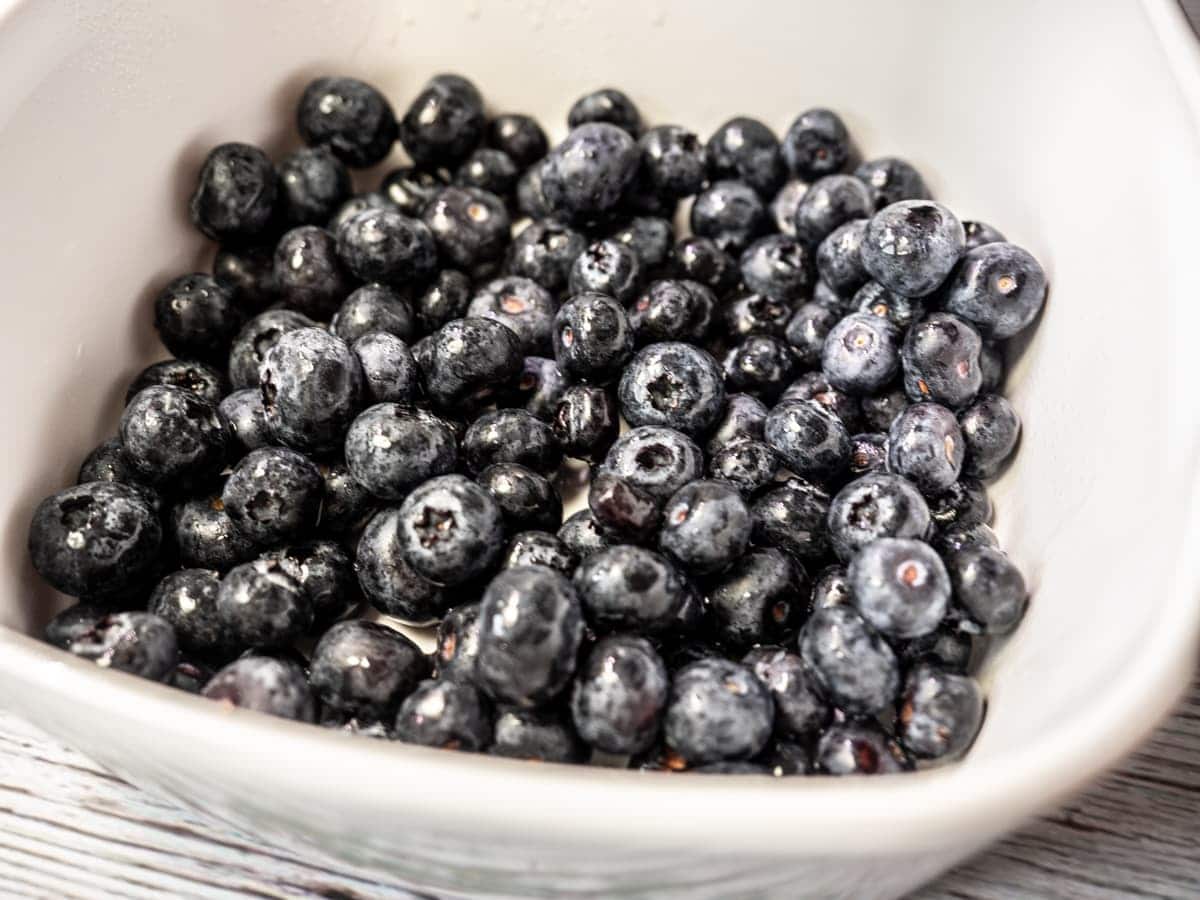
(838,259)
(108,462)
(545,252)
(511,436)
(747,465)
(273,495)
(365,670)
(249,273)
(236,194)
(521,304)
(357,204)
(782,208)
(761,599)
(877,300)
(326,576)
(810,440)
(831,588)
(587,173)
(258,336)
(700,259)
(537,389)
(390,373)
(444,123)
(205,537)
(606,105)
(991,428)
(778,267)
(880,410)
(585,423)
(387,246)
(948,648)
(619,695)
(172,436)
(140,643)
(674,385)
(629,588)
(755,314)
(658,460)
(246,419)
(861,353)
(313,184)
(673,161)
(527,500)
(875,506)
(189,675)
(800,710)
(791,518)
(312,389)
(393,447)
(742,419)
(519,136)
(730,213)
(407,189)
(941,360)
(956,538)
(706,526)
(926,446)
(816,144)
(671,310)
(451,530)
(868,453)
(264,684)
(196,317)
(900,586)
(349,116)
(470,359)
(828,203)
(980,233)
(592,337)
(989,587)
(853,665)
(261,605)
(806,332)
(911,246)
(72,623)
(309,272)
(539,548)
(347,503)
(891,179)
(388,581)
(201,379)
(815,387)
(718,710)
(940,713)
(761,365)
(187,601)
(826,296)
(457,644)
(859,748)
(531,626)
(373,308)
(444,299)
(649,237)
(531,198)
(622,511)
(607,267)
(470,227)
(451,715)
(1000,288)
(488,170)
(992,367)
(581,535)
(545,735)
(746,150)
(963,503)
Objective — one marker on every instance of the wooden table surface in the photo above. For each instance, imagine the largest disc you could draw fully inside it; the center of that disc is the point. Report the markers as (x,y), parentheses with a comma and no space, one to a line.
(69,829)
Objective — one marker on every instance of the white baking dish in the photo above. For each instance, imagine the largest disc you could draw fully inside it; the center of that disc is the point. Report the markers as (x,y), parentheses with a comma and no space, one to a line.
(1062,124)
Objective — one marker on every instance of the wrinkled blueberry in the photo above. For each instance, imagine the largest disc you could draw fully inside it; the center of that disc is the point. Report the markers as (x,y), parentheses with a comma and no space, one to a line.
(868,453)
(999,288)
(581,535)
(890,180)
(800,710)
(926,446)
(620,509)
(450,529)
(619,695)
(829,202)
(760,599)
(911,246)
(392,447)
(365,670)
(387,580)
(236,194)
(717,710)
(853,664)
(136,642)
(729,212)
(940,713)
(989,587)
(349,116)
(196,317)
(172,436)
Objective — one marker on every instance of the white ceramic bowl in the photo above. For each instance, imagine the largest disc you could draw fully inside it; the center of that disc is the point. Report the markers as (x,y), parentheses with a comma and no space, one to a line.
(1060,123)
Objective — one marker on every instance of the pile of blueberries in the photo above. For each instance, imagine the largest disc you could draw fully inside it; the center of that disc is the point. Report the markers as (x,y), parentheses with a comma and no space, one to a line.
(378,400)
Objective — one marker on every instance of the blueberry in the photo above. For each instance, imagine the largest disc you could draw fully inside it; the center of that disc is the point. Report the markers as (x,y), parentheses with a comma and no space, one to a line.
(861,353)
(387,580)
(756,314)
(670,310)
(859,748)
(513,436)
(990,427)
(196,317)
(941,360)
(980,233)
(365,670)
(539,548)
(828,203)
(854,666)
(826,296)
(73,623)
(747,150)
(673,161)
(812,441)
(246,419)
(956,538)
(531,626)
(258,336)
(900,586)
(136,642)
(249,273)
(816,144)
(200,378)
(309,271)
(386,245)
(815,386)
(778,267)
(948,648)
(326,576)
(357,204)
(389,371)
(890,180)
(261,605)
(806,332)
(999,288)
(189,675)
(444,123)
(581,535)
(838,257)
(312,389)
(526,499)
(658,460)
(760,599)
(761,365)
(989,587)
(700,259)
(187,601)
(488,170)
(880,410)
(606,267)
(783,207)
(349,116)
(991,367)
(963,503)
(519,136)
(875,506)
(521,304)
(531,197)
(450,530)
(236,194)
(868,453)
(538,388)
(649,237)
(718,710)
(392,447)
(792,517)
(592,337)
(205,537)
(447,714)
(545,735)
(585,423)
(629,588)
(619,695)
(786,758)
(877,300)
(606,105)
(706,526)
(674,385)
(347,504)
(747,465)
(621,510)
(926,446)
(587,173)
(911,246)
(832,588)
(470,226)
(264,684)
(409,190)
(457,644)
(544,252)
(108,462)
(444,299)
(373,308)
(729,212)
(470,359)
(800,710)
(940,713)
(331,718)
(742,420)
(172,436)
(313,184)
